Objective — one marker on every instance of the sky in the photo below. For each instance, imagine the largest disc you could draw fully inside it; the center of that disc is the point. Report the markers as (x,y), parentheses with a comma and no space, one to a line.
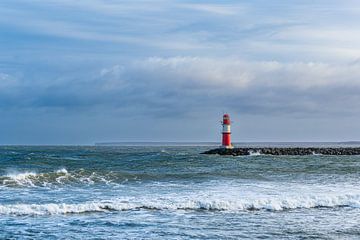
(87,71)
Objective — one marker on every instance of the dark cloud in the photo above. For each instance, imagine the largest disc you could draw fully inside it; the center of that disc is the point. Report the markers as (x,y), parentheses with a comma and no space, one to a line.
(167,86)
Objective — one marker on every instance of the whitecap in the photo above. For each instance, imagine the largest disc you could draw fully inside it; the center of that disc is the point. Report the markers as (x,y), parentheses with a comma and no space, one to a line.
(62,170)
(24,178)
(191,204)
(255,153)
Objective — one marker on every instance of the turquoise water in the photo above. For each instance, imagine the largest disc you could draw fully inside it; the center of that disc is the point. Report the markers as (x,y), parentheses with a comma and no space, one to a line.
(169,192)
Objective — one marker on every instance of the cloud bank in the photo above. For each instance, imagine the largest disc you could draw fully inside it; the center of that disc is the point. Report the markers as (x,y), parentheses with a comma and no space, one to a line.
(185,84)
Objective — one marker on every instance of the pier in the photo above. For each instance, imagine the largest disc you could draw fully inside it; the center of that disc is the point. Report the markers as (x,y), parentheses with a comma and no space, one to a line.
(243,151)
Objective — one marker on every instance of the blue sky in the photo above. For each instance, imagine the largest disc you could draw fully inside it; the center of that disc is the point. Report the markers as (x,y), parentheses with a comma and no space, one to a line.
(86,71)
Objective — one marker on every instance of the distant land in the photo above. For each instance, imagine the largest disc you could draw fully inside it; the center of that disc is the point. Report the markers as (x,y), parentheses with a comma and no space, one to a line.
(157,144)
(351,142)
(239,144)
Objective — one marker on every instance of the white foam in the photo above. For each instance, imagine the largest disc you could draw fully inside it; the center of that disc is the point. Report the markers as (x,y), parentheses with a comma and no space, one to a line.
(164,151)
(33,179)
(316,154)
(268,203)
(47,179)
(254,153)
(60,177)
(20,178)
(62,170)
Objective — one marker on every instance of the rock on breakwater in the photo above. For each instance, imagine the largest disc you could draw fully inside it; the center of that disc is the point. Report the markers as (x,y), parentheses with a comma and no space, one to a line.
(285,151)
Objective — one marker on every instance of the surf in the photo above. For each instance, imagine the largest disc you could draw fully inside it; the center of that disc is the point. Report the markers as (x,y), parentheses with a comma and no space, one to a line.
(188,204)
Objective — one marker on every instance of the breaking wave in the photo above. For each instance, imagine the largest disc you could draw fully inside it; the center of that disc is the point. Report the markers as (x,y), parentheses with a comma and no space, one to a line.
(269,204)
(255,153)
(316,154)
(58,177)
(63,177)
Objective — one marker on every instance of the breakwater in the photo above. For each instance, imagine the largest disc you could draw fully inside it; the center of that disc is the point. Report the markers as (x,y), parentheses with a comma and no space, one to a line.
(286,151)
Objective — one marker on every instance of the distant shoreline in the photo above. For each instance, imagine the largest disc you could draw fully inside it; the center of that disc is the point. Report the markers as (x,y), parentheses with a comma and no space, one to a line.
(157,144)
(252,144)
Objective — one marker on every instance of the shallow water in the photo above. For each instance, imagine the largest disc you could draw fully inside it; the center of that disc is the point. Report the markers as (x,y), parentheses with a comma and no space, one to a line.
(175,193)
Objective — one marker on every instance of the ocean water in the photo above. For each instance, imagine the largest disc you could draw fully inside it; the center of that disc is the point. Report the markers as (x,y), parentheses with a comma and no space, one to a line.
(157,192)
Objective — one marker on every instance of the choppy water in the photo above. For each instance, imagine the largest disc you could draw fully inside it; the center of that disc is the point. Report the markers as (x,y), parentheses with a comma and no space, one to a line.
(175,193)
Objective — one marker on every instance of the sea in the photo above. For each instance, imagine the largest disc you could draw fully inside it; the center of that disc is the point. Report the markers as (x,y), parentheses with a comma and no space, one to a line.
(164,191)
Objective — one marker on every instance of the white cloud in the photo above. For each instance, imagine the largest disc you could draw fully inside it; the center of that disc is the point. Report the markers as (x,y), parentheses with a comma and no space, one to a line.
(7,81)
(239,74)
(294,32)
(258,87)
(219,9)
(160,85)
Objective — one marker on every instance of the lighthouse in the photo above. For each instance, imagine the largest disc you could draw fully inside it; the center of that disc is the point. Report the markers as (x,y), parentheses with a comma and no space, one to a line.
(226,132)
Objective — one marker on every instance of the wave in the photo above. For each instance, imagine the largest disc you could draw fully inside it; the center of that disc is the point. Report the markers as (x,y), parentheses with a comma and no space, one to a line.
(20,178)
(255,153)
(64,177)
(269,204)
(316,154)
(58,177)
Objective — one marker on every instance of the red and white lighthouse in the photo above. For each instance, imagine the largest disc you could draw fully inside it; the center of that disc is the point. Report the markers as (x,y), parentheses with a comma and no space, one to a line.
(226,132)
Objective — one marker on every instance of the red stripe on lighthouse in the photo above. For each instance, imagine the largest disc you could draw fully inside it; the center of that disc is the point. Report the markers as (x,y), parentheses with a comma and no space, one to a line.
(226,133)
(226,140)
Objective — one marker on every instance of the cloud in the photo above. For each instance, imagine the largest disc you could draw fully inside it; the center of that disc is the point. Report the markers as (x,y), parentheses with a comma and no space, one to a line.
(289,32)
(237,74)
(7,81)
(181,85)
(219,9)
(136,24)
(257,87)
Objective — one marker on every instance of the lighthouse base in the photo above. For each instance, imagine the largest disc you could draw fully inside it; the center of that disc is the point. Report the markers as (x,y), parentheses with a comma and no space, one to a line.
(227,147)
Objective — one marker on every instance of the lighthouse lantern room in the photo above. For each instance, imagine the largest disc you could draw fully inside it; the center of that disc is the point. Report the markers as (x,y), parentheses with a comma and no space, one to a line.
(226,132)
